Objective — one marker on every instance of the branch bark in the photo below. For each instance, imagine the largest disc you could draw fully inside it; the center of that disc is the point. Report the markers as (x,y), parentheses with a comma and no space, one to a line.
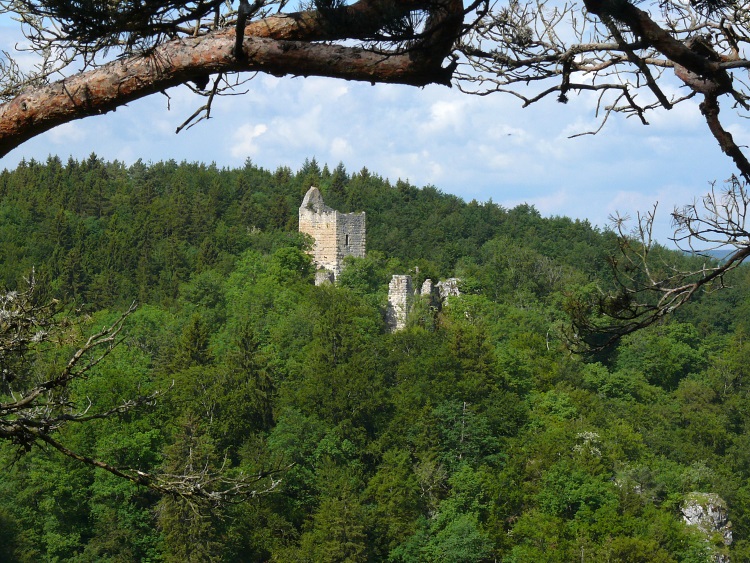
(278,45)
(652,34)
(710,110)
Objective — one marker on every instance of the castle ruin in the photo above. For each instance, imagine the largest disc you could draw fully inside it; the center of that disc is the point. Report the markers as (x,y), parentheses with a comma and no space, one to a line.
(402,294)
(400,297)
(336,234)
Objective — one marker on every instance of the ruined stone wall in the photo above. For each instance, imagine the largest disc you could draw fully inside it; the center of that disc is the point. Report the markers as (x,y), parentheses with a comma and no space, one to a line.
(400,296)
(336,234)
(350,237)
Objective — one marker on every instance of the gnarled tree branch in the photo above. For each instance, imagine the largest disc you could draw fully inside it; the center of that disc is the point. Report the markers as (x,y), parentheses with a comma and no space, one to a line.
(300,44)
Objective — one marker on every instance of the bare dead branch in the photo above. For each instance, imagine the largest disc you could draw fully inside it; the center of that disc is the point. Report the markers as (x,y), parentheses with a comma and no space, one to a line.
(652,282)
(533,48)
(33,414)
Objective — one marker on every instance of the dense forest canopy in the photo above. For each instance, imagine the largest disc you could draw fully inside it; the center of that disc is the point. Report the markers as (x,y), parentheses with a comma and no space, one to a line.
(472,435)
(108,233)
(634,58)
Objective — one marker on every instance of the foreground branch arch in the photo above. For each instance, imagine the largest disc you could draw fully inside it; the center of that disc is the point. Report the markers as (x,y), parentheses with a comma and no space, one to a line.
(308,43)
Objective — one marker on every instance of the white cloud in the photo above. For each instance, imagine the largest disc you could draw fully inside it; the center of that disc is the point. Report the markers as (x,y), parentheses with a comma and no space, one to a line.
(445,114)
(506,133)
(269,81)
(128,153)
(740,134)
(67,133)
(299,130)
(548,204)
(340,149)
(631,202)
(682,118)
(436,172)
(323,89)
(498,160)
(244,139)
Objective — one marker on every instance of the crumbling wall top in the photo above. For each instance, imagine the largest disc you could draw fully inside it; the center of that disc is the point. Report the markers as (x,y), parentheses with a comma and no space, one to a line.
(313,201)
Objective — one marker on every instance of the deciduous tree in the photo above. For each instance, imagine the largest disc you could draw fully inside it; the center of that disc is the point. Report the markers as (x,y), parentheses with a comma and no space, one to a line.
(637,59)
(38,402)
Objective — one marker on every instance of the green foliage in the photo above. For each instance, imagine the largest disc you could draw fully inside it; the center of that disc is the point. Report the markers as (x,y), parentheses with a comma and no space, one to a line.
(664,354)
(396,500)
(337,531)
(472,435)
(570,492)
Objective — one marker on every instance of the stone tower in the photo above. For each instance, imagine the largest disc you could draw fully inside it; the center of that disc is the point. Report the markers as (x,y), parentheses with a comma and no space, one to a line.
(336,234)
(400,297)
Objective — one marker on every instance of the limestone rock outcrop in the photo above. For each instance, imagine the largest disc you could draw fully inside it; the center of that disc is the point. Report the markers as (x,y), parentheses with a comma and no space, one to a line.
(707,512)
(448,288)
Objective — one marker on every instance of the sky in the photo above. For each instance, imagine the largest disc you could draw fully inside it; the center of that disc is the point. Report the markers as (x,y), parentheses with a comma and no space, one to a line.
(483,148)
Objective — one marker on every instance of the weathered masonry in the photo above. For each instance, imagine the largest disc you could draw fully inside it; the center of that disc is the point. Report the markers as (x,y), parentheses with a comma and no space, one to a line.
(336,234)
(402,294)
(400,297)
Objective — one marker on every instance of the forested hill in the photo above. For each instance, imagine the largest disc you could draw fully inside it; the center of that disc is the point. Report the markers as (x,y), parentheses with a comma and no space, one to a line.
(473,435)
(106,234)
